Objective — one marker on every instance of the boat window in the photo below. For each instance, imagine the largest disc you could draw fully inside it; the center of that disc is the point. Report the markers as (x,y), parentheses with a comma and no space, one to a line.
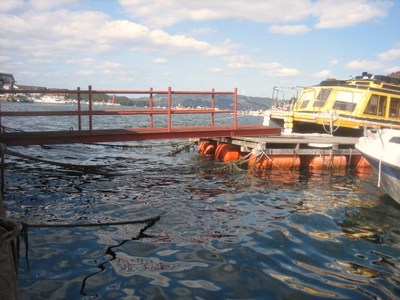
(376,105)
(394,108)
(305,98)
(395,139)
(323,95)
(347,101)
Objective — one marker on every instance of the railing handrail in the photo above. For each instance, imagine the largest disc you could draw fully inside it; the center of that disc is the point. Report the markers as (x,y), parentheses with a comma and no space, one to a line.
(169,110)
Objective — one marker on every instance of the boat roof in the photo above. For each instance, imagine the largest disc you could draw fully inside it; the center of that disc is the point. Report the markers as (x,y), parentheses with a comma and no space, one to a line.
(385,82)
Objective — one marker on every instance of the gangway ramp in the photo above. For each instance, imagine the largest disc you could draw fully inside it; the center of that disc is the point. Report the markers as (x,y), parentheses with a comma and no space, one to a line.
(90,133)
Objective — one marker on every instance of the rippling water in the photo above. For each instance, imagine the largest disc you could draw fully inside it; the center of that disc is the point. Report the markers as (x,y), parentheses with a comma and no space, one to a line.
(222,233)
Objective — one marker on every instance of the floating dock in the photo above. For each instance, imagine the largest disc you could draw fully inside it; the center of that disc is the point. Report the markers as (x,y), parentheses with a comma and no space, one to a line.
(289,151)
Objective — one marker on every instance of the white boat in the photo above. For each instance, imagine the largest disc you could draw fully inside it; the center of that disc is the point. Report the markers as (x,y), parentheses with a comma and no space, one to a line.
(381,148)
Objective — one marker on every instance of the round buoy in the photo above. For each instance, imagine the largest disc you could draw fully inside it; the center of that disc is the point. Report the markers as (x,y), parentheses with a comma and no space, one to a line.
(231,154)
(359,165)
(209,150)
(358,161)
(220,151)
(325,162)
(258,162)
(284,162)
(202,146)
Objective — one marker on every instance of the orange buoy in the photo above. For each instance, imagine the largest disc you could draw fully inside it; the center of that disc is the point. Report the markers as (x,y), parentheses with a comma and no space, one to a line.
(258,162)
(359,166)
(225,154)
(325,162)
(284,162)
(221,150)
(209,150)
(231,154)
(358,162)
(202,146)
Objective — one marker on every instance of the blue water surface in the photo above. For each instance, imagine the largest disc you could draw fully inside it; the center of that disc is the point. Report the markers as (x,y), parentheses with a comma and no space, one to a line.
(222,233)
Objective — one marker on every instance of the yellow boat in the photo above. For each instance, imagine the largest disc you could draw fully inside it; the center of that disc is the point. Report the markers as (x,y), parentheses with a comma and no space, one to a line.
(340,107)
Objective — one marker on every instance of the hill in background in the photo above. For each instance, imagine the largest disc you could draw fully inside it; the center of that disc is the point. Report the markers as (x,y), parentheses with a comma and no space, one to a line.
(201,101)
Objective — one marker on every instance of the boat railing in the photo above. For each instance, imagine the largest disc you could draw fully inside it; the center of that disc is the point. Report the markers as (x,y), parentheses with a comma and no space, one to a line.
(369,130)
(284,97)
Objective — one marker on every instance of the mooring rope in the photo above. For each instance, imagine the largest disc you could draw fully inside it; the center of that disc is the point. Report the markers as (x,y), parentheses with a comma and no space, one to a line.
(5,128)
(180,148)
(25,226)
(92,169)
(112,255)
(48,225)
(272,161)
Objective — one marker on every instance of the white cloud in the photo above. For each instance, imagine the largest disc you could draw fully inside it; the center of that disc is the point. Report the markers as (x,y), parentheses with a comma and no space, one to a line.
(384,63)
(344,13)
(391,54)
(60,33)
(289,29)
(165,13)
(265,68)
(365,65)
(333,61)
(392,69)
(215,70)
(160,60)
(4,58)
(329,13)
(40,5)
(86,73)
(323,74)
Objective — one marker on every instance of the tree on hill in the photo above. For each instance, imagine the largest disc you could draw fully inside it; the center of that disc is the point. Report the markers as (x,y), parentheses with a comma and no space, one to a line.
(395,74)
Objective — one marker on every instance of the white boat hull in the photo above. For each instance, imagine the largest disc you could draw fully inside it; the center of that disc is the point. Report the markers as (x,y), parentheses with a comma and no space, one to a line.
(382,150)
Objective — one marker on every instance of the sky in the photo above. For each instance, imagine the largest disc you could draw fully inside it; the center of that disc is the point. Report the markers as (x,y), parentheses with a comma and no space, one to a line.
(196,45)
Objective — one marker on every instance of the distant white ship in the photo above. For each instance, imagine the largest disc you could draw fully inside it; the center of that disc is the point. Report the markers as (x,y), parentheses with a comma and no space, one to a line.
(52,99)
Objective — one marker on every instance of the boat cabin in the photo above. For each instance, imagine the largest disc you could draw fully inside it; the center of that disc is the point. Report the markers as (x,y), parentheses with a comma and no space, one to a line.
(350,104)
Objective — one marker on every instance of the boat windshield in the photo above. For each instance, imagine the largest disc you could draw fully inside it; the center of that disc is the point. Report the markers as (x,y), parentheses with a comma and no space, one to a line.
(305,98)
(395,139)
(347,101)
(323,95)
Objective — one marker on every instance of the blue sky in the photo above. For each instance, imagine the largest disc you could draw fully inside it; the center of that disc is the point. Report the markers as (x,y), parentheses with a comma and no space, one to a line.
(252,45)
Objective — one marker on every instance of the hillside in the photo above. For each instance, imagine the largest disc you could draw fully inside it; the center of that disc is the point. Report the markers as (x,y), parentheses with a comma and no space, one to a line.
(195,101)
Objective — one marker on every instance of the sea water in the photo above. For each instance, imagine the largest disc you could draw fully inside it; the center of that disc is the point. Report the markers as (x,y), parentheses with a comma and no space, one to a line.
(222,233)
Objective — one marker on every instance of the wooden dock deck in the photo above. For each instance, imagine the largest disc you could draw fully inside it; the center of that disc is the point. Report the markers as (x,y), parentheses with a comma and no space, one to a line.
(301,144)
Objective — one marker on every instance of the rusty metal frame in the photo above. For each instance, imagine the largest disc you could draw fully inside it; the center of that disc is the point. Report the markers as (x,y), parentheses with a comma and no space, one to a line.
(131,134)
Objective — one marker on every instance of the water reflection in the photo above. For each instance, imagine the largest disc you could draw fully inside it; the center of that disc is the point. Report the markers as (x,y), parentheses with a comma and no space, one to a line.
(222,233)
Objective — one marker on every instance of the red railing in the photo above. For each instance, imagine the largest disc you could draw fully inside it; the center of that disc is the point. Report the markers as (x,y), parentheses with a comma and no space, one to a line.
(90,112)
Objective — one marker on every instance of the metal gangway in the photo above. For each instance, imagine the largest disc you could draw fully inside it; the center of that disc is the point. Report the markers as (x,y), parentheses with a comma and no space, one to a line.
(90,133)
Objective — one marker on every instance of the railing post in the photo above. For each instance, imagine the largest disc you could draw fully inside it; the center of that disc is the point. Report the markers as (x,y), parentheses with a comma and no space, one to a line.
(90,108)
(79,108)
(169,108)
(1,124)
(151,108)
(235,107)
(213,107)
